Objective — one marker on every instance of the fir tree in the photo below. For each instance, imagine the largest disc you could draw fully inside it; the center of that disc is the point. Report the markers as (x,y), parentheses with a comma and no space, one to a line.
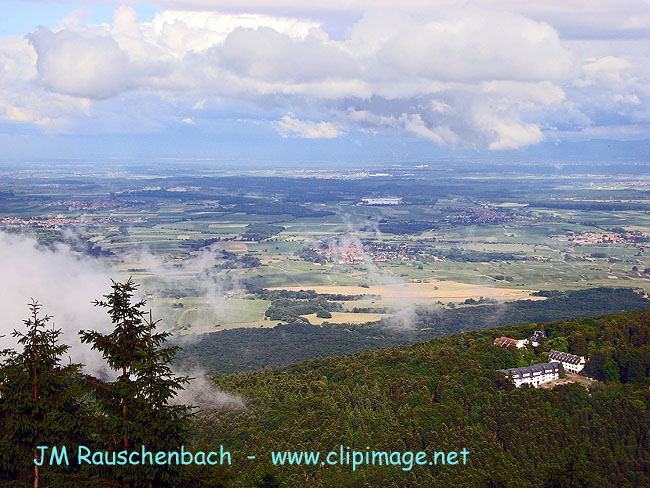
(136,406)
(165,425)
(38,403)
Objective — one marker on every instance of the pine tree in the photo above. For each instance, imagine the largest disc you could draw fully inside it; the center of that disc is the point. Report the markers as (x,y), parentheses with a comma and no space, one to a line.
(39,402)
(136,406)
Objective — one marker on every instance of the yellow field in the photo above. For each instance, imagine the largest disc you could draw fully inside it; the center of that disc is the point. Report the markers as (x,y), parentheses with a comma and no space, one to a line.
(337,317)
(445,291)
(230,246)
(347,318)
(510,205)
(202,329)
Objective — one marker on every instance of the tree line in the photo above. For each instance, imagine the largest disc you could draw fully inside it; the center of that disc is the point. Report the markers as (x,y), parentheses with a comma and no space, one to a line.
(237,350)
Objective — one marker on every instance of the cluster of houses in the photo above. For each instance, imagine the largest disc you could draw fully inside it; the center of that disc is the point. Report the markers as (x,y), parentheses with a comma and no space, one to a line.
(602,237)
(538,374)
(59,221)
(376,252)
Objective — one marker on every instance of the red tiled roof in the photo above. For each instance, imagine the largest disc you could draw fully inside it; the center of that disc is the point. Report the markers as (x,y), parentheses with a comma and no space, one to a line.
(505,341)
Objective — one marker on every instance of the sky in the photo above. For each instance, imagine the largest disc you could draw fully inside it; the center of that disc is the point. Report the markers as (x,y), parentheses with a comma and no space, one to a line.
(336,80)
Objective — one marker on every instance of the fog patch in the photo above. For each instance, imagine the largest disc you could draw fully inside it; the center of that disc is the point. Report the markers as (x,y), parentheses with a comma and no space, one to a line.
(66,283)
(203,394)
(63,282)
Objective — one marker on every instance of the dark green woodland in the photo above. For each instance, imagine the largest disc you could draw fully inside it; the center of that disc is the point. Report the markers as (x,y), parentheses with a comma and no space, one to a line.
(444,394)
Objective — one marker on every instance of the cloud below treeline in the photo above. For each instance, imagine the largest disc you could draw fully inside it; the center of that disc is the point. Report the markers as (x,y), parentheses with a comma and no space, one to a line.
(66,283)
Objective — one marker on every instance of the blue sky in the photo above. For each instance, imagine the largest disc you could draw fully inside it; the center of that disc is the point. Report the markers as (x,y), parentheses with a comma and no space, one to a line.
(339,80)
(20,17)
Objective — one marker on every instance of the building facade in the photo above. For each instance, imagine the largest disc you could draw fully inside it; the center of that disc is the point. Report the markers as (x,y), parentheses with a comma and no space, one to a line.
(382,201)
(534,375)
(571,362)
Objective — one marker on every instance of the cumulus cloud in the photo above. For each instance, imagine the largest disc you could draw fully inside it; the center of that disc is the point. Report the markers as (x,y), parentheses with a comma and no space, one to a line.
(292,127)
(24,101)
(604,71)
(593,19)
(470,45)
(496,77)
(268,55)
(83,66)
(441,135)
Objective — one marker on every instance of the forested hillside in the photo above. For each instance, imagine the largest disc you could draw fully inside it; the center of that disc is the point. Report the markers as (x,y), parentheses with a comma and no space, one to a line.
(440,396)
(445,395)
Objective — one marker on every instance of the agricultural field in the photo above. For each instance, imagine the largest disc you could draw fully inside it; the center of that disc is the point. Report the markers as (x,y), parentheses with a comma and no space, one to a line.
(206,246)
(421,293)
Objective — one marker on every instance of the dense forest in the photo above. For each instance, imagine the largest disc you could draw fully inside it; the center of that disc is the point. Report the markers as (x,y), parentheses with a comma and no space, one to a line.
(443,395)
(237,350)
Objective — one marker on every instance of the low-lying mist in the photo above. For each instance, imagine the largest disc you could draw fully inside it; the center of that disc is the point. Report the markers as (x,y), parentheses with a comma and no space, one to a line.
(66,283)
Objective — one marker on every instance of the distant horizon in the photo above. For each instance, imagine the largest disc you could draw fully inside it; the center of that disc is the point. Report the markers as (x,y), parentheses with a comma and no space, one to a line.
(606,152)
(206,167)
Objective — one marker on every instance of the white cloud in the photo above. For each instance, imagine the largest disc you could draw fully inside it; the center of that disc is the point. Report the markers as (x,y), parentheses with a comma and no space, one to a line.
(267,55)
(511,135)
(605,70)
(631,98)
(64,284)
(441,135)
(85,66)
(289,126)
(196,31)
(472,45)
(495,77)
(594,18)
(22,100)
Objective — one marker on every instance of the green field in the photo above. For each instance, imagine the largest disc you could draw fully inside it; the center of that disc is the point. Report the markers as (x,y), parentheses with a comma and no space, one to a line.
(466,235)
